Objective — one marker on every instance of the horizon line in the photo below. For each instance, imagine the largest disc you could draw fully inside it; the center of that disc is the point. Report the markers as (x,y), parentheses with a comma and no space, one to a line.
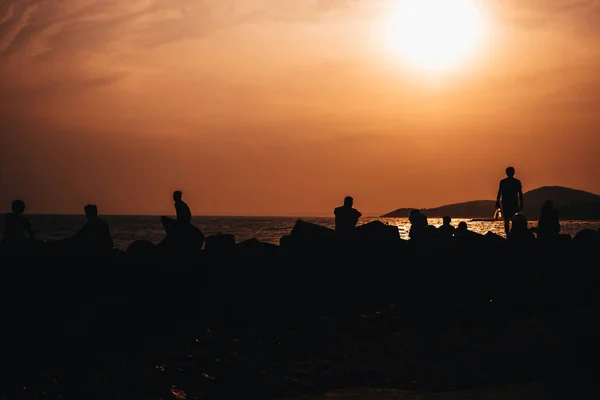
(198,216)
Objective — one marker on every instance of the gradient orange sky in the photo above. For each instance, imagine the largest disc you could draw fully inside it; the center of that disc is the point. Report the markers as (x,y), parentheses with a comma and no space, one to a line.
(283,107)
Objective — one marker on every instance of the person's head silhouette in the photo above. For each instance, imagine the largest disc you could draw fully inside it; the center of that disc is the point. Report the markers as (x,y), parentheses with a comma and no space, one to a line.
(91,212)
(462,226)
(510,172)
(18,206)
(446,220)
(348,201)
(177,195)
(548,204)
(413,215)
(519,223)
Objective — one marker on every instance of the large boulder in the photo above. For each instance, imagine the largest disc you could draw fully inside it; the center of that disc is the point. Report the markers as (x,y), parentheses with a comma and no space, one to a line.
(307,231)
(252,247)
(221,243)
(377,231)
(182,239)
(142,247)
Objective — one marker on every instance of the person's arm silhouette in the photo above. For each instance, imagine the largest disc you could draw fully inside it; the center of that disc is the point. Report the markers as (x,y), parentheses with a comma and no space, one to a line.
(498,196)
(520,196)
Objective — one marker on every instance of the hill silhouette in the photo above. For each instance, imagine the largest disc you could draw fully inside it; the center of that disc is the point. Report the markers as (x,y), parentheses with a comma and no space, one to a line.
(571,204)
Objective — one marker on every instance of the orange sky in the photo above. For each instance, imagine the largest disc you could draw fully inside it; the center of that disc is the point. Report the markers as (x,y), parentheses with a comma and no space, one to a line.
(283,107)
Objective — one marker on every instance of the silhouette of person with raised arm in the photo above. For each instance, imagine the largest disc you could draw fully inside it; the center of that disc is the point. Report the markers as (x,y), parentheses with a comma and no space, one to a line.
(548,222)
(95,234)
(346,217)
(510,195)
(446,230)
(182,212)
(17,226)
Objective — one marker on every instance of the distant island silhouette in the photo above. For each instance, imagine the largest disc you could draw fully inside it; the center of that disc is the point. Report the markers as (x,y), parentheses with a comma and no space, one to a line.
(572,204)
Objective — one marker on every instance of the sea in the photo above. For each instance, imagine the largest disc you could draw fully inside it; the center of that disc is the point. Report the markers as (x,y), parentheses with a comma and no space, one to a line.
(127,228)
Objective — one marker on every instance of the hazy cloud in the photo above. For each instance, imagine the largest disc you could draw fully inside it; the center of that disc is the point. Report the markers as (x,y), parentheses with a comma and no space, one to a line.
(566,16)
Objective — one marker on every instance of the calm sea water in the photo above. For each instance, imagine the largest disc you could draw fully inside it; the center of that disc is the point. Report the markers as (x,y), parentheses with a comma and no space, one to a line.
(126,229)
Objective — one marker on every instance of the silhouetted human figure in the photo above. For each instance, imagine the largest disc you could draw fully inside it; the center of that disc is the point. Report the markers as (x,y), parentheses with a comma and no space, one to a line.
(95,234)
(346,217)
(446,230)
(548,222)
(182,237)
(17,226)
(462,229)
(510,194)
(418,223)
(519,230)
(465,235)
(431,233)
(182,212)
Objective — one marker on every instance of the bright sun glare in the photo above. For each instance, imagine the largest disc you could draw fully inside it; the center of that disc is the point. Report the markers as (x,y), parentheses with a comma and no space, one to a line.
(434,35)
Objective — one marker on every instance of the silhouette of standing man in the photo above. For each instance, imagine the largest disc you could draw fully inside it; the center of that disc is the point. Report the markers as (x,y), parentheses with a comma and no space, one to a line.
(346,217)
(510,193)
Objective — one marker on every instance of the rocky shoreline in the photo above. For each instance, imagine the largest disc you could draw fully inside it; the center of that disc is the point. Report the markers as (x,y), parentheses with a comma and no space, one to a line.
(302,319)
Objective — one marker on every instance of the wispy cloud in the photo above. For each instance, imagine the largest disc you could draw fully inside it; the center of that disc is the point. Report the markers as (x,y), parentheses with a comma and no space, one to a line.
(85,25)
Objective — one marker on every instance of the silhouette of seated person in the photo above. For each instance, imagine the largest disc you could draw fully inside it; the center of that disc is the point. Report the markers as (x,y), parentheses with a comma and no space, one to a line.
(182,212)
(519,230)
(418,225)
(346,217)
(431,233)
(446,231)
(18,229)
(181,234)
(94,236)
(462,230)
(548,222)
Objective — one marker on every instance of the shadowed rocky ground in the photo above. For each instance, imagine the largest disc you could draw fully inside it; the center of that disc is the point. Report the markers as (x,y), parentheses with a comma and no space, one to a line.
(358,321)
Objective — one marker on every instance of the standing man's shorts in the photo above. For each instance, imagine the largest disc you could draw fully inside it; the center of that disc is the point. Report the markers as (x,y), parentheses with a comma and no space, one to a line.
(508,210)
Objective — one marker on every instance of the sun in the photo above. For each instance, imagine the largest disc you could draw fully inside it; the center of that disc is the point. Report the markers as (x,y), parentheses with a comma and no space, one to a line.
(434,35)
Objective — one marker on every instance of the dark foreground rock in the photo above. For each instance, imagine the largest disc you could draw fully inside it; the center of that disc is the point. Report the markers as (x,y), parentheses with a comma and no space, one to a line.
(302,319)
